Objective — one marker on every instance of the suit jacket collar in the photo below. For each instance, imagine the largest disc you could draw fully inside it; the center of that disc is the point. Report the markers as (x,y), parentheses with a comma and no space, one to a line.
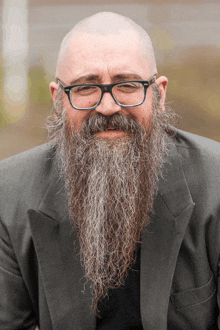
(161,243)
(60,267)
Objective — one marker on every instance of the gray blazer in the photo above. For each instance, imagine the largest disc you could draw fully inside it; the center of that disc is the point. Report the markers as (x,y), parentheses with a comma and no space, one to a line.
(41,278)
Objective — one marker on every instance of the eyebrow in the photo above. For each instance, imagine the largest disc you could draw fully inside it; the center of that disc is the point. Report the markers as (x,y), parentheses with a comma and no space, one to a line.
(127,76)
(91,78)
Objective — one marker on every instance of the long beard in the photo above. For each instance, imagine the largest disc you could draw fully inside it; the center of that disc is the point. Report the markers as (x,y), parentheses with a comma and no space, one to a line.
(111,186)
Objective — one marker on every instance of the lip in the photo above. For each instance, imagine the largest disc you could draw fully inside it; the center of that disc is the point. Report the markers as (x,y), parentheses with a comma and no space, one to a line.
(110,133)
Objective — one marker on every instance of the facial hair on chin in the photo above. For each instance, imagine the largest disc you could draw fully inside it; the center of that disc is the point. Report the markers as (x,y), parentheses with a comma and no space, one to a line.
(111,186)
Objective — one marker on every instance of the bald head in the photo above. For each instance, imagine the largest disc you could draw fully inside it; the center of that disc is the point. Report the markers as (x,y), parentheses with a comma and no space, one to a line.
(106,24)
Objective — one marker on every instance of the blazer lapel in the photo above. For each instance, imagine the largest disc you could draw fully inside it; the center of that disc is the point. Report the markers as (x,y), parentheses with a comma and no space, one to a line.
(59,264)
(161,243)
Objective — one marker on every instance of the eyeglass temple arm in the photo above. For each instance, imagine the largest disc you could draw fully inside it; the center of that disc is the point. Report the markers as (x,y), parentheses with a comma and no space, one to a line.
(152,80)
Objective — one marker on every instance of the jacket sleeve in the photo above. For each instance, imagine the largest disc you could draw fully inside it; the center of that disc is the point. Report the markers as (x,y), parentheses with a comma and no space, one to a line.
(16,310)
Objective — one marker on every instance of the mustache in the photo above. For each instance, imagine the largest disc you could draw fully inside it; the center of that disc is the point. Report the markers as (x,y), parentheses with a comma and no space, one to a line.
(98,122)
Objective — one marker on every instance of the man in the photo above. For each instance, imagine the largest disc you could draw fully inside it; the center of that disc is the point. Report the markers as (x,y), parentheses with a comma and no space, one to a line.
(114,224)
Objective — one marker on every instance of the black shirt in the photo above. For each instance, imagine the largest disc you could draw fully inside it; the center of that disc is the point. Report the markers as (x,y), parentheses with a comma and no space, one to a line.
(121,309)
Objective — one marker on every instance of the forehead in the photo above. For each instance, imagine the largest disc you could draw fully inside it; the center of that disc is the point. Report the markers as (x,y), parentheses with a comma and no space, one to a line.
(106,55)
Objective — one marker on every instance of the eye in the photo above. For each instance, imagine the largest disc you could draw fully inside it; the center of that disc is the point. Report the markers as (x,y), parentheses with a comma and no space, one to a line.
(128,87)
(84,90)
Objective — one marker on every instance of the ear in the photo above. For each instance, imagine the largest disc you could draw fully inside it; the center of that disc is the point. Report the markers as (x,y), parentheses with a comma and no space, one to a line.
(162,84)
(53,90)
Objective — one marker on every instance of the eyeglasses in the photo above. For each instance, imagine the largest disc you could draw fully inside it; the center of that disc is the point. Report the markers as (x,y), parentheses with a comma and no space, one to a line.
(125,93)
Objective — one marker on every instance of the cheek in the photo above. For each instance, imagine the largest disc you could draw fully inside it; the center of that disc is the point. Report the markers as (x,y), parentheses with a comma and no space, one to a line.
(144,112)
(76,117)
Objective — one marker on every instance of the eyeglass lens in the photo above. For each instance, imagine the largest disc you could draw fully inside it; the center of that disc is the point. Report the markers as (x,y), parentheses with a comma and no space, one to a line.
(128,94)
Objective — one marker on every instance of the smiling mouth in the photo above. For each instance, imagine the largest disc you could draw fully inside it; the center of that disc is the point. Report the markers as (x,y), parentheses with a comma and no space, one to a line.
(111,129)
(110,132)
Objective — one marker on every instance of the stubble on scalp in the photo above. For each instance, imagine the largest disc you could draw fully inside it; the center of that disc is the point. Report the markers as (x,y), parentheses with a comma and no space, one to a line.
(111,186)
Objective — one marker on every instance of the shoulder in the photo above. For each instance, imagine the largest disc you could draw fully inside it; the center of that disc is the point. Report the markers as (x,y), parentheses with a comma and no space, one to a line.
(185,140)
(24,178)
(198,152)
(26,158)
(200,161)
(25,164)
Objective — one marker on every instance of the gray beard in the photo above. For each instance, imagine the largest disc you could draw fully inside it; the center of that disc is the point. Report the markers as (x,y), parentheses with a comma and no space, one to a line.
(111,185)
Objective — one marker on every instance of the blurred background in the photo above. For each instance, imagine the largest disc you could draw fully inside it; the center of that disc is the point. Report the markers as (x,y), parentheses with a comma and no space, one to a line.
(186,40)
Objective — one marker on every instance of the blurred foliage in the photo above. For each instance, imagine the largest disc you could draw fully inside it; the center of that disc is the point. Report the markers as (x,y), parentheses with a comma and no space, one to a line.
(38,91)
(28,131)
(193,90)
(38,85)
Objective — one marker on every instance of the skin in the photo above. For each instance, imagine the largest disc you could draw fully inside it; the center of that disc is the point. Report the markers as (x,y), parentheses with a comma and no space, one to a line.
(106,57)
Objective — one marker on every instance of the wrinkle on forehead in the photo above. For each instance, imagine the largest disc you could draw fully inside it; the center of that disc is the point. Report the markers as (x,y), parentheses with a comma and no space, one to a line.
(106,24)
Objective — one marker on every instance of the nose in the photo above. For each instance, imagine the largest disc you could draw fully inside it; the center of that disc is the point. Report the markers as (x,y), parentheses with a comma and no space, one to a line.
(108,106)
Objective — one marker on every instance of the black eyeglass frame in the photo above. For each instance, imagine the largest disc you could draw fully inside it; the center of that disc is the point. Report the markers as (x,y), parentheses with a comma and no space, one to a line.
(108,89)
